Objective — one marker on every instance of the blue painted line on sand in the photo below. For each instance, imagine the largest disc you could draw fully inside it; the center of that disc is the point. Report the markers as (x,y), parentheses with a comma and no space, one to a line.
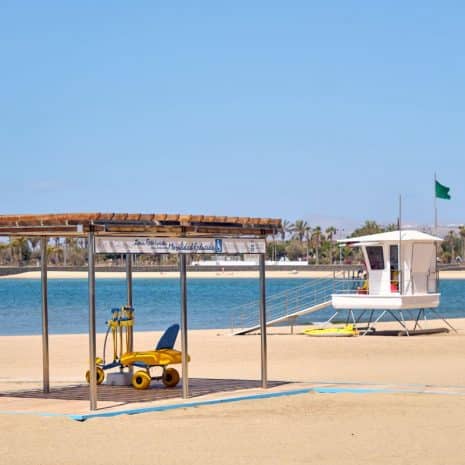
(334,390)
(201,403)
(337,390)
(164,408)
(365,383)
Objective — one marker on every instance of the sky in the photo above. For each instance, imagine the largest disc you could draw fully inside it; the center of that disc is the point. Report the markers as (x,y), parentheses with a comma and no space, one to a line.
(321,110)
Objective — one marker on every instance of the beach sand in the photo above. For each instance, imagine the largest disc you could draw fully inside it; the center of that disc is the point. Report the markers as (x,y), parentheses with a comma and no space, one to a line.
(452,274)
(401,428)
(322,429)
(171,274)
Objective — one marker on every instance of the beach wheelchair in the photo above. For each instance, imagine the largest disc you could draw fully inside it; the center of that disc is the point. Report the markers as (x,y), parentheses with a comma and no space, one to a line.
(121,328)
(161,357)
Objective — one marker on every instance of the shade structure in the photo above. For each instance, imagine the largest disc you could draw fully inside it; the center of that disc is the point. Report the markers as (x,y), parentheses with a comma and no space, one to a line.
(135,224)
(188,233)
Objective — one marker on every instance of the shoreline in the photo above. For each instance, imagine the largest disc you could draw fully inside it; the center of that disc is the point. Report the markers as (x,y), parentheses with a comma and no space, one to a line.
(445,274)
(271,330)
(171,274)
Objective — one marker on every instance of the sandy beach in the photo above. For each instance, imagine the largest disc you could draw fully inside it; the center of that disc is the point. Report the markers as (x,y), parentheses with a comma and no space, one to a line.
(232,165)
(452,274)
(170,274)
(383,428)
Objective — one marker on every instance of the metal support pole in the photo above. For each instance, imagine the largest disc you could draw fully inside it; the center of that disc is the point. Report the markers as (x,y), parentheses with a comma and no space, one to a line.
(435,207)
(129,278)
(185,374)
(292,325)
(417,323)
(261,266)
(130,329)
(401,257)
(45,352)
(92,335)
(443,319)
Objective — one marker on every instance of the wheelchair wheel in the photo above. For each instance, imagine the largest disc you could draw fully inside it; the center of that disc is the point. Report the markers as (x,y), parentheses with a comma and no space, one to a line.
(170,377)
(100,375)
(141,379)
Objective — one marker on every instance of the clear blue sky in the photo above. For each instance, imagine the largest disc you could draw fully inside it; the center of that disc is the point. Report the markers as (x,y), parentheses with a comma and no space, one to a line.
(321,110)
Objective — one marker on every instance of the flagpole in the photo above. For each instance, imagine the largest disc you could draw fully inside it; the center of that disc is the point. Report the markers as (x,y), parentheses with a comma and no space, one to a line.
(401,271)
(435,207)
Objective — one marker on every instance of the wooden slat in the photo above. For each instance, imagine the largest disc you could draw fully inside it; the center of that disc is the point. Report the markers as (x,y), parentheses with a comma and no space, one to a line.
(101,217)
(37,230)
(126,223)
(185,220)
(197,218)
(143,228)
(147,218)
(119,217)
(29,222)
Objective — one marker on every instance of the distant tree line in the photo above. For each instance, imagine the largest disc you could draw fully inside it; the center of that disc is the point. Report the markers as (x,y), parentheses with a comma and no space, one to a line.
(20,251)
(296,241)
(72,252)
(299,241)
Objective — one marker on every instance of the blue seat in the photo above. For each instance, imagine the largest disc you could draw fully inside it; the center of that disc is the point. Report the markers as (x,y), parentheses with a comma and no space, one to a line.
(168,338)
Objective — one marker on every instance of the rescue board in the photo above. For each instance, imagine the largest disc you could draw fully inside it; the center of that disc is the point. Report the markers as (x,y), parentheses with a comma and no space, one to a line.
(346,331)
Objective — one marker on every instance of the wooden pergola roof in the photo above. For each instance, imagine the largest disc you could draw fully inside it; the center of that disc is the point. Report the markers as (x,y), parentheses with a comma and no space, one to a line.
(127,224)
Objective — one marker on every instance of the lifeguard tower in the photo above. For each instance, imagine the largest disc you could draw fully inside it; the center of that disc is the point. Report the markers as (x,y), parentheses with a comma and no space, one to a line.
(401,274)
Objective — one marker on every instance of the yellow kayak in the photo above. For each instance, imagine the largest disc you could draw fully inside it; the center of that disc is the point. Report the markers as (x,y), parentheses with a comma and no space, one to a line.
(346,331)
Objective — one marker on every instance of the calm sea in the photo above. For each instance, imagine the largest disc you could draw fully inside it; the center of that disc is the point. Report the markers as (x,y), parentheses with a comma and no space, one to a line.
(210,302)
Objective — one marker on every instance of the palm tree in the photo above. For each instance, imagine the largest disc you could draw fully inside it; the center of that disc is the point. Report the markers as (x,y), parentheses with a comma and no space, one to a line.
(20,249)
(330,232)
(68,248)
(316,238)
(300,229)
(286,228)
(55,253)
(369,227)
(462,236)
(4,252)
(391,227)
(449,240)
(307,241)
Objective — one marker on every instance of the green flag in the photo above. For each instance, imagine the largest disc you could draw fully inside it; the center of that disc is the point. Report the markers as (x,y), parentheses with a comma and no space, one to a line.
(442,192)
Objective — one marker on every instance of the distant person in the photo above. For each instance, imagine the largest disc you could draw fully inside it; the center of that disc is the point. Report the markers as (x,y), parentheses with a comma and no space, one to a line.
(394,280)
(363,289)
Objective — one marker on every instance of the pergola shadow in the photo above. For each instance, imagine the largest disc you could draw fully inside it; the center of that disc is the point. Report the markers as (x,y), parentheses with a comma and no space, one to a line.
(127,394)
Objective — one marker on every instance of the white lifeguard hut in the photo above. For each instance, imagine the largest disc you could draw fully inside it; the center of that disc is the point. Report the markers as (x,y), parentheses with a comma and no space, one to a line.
(401,274)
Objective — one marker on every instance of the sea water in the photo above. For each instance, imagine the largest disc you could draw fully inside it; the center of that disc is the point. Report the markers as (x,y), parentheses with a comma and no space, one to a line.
(211,302)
